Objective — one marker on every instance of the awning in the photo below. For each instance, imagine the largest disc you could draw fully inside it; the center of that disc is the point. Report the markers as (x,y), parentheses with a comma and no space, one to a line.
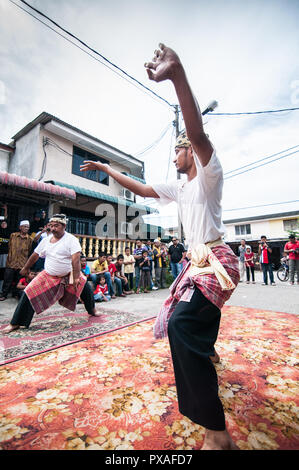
(105,197)
(11,179)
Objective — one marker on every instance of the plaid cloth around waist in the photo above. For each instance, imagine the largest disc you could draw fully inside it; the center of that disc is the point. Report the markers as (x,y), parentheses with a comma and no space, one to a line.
(45,290)
(183,287)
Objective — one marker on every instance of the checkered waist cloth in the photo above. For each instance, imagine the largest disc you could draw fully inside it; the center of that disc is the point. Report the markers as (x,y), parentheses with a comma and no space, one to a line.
(183,287)
(45,290)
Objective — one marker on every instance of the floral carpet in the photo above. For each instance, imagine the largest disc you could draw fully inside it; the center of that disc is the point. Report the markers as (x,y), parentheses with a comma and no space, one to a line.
(59,327)
(117,391)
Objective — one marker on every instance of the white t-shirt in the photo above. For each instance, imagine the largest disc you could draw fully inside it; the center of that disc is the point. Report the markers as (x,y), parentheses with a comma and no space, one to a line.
(199,202)
(58,255)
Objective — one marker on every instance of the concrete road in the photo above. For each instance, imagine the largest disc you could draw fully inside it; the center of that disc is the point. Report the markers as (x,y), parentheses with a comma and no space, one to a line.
(280,298)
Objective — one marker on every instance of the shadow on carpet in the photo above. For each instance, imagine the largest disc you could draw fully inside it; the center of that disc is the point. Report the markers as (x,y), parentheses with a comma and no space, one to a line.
(59,327)
(117,391)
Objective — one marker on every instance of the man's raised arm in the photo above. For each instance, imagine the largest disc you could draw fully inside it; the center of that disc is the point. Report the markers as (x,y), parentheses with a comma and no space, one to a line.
(140,189)
(166,65)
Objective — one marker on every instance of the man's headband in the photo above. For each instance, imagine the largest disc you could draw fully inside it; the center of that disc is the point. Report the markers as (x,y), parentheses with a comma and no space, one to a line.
(60,218)
(182,140)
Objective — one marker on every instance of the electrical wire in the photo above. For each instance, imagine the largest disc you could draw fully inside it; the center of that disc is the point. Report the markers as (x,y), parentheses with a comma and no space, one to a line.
(262,159)
(155,143)
(263,164)
(253,112)
(113,67)
(261,205)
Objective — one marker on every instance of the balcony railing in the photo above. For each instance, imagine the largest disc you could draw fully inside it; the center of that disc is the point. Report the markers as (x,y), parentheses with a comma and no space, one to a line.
(91,246)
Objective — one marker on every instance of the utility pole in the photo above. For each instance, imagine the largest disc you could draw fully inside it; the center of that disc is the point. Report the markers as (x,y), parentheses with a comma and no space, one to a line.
(176,125)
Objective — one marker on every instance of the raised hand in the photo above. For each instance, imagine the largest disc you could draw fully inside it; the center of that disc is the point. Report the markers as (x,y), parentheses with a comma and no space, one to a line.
(91,165)
(164,65)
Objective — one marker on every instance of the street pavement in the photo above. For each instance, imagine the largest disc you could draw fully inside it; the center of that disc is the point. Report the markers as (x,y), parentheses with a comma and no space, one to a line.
(280,298)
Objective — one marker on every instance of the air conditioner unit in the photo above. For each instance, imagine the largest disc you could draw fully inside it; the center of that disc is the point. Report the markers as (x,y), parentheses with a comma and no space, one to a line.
(128,194)
(126,229)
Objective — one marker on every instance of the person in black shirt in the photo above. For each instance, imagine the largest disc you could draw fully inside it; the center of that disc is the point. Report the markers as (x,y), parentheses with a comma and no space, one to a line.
(175,253)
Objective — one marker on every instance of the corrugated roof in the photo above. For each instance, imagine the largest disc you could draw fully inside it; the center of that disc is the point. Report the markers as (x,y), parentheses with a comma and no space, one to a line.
(21,181)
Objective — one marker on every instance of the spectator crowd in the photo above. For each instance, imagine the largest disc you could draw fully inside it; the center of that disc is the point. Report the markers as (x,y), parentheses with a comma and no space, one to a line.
(150,266)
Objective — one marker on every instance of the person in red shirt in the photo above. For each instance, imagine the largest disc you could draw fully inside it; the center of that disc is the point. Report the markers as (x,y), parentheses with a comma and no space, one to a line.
(114,279)
(265,259)
(23,283)
(292,249)
(101,291)
(249,264)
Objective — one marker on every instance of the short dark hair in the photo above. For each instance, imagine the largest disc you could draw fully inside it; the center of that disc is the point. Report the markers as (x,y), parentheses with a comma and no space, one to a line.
(101,253)
(102,277)
(120,257)
(263,236)
(292,235)
(144,251)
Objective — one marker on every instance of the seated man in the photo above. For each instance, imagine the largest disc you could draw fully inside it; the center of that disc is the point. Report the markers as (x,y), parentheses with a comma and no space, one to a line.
(100,268)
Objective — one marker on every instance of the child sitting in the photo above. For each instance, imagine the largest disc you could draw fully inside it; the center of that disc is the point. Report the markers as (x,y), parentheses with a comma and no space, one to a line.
(84,267)
(101,291)
(23,283)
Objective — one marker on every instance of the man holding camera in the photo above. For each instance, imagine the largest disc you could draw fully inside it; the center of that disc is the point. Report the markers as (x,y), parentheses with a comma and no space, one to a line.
(265,259)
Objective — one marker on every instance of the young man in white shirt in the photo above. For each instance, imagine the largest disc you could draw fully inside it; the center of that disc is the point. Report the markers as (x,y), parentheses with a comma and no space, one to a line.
(61,251)
(192,312)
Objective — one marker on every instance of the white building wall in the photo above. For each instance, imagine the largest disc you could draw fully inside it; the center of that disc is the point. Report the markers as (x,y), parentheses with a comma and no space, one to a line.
(25,160)
(59,166)
(4,160)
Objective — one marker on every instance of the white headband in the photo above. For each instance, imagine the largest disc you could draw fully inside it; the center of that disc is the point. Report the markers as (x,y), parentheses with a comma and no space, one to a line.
(24,222)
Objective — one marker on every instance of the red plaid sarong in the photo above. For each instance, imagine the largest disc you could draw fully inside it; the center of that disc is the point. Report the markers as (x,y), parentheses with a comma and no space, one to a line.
(183,287)
(44,290)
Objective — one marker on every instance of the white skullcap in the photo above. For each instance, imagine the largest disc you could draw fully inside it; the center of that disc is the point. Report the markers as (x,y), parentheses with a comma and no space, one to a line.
(24,222)
(156,240)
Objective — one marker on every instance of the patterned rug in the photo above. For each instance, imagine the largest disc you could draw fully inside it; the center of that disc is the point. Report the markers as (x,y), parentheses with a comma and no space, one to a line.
(117,391)
(59,327)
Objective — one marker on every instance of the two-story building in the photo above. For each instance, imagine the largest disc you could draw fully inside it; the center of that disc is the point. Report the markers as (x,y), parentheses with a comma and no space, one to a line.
(42,171)
(276,227)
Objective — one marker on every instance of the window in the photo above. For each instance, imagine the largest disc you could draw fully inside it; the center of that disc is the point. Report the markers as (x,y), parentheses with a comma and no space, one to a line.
(243,229)
(79,155)
(291,225)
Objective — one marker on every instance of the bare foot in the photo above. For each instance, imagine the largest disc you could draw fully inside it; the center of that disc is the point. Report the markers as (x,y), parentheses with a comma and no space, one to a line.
(95,313)
(218,440)
(10,328)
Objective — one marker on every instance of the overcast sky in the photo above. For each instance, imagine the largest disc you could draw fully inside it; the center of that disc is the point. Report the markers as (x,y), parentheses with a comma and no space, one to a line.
(242,54)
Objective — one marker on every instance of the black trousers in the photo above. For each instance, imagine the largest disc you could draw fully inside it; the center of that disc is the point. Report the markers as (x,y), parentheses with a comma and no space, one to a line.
(248,270)
(192,331)
(24,312)
(129,276)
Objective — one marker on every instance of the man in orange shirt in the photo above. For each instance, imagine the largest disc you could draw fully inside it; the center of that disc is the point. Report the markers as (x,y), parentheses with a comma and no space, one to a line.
(292,249)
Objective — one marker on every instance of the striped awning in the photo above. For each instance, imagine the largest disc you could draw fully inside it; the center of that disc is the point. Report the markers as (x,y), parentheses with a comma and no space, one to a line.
(107,197)
(11,179)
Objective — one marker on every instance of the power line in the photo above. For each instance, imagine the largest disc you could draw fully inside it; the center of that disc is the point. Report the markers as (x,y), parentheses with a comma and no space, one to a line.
(261,205)
(254,112)
(262,159)
(155,143)
(263,164)
(114,68)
